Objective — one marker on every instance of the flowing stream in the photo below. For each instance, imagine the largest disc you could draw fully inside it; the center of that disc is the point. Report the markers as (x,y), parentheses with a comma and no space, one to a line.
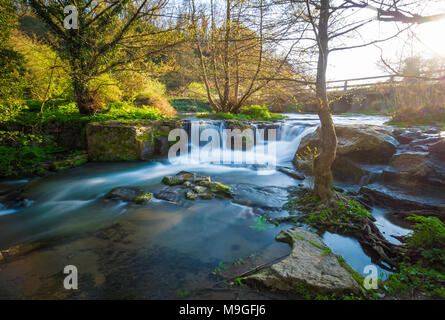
(124,250)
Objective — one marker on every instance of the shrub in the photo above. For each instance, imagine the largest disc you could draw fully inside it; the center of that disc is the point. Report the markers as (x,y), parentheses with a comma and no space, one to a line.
(256,111)
(23,153)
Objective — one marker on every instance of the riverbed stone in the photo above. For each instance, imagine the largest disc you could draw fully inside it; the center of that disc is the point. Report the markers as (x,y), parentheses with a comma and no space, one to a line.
(310,264)
(217,187)
(190,195)
(172,180)
(167,194)
(129,194)
(138,140)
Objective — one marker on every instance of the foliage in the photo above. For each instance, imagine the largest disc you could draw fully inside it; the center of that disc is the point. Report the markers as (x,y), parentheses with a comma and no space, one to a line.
(66,112)
(428,240)
(424,265)
(46,76)
(190,105)
(110,37)
(253,112)
(11,65)
(344,212)
(24,153)
(411,279)
(261,224)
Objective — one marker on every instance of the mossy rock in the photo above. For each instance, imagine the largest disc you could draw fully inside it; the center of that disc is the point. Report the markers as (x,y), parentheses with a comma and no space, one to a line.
(217,187)
(143,198)
(129,194)
(189,195)
(172,180)
(69,163)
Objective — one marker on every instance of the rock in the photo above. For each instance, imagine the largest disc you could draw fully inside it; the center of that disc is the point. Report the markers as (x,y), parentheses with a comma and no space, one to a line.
(205,196)
(405,137)
(172,180)
(217,187)
(143,198)
(383,196)
(129,194)
(139,140)
(365,144)
(345,169)
(1,257)
(438,149)
(189,195)
(268,198)
(184,177)
(412,168)
(238,124)
(410,165)
(167,194)
(310,265)
(69,163)
(291,173)
(199,189)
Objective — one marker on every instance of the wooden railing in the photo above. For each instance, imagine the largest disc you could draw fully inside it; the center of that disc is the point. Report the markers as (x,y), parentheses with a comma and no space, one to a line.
(393,79)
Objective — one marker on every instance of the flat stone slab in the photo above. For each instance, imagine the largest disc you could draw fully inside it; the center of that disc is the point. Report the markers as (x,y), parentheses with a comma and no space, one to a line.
(311,264)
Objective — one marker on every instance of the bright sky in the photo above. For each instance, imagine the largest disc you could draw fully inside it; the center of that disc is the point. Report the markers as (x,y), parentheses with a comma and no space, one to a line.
(362,62)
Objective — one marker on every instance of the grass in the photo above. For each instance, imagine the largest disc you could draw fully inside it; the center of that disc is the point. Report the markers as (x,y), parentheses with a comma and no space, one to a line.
(68,112)
(190,105)
(254,112)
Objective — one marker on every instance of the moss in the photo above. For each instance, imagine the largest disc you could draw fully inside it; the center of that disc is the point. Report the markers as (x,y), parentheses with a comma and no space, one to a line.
(172,180)
(143,198)
(216,187)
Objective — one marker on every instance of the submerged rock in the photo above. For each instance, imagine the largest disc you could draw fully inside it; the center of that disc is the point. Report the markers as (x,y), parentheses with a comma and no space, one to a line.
(167,194)
(311,265)
(291,173)
(129,194)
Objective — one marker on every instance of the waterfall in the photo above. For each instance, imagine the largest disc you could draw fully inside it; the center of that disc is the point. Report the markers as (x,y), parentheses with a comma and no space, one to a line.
(271,143)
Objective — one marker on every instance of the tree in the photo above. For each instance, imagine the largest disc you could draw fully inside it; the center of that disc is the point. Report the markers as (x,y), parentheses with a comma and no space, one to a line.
(11,64)
(110,35)
(330,21)
(237,50)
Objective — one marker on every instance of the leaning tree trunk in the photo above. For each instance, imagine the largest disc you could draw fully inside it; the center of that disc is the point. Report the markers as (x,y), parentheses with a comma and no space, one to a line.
(323,184)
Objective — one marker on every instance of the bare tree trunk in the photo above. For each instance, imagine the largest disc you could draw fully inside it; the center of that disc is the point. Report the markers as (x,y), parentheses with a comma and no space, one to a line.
(226,103)
(323,184)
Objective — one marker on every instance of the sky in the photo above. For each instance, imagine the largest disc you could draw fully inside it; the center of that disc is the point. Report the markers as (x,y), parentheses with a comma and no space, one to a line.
(362,62)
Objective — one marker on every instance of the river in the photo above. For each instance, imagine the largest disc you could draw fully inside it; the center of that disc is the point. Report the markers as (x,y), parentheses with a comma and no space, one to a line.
(158,250)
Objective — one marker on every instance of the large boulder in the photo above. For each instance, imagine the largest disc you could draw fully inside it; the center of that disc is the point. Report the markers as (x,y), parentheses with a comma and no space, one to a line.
(310,265)
(358,145)
(362,143)
(140,140)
